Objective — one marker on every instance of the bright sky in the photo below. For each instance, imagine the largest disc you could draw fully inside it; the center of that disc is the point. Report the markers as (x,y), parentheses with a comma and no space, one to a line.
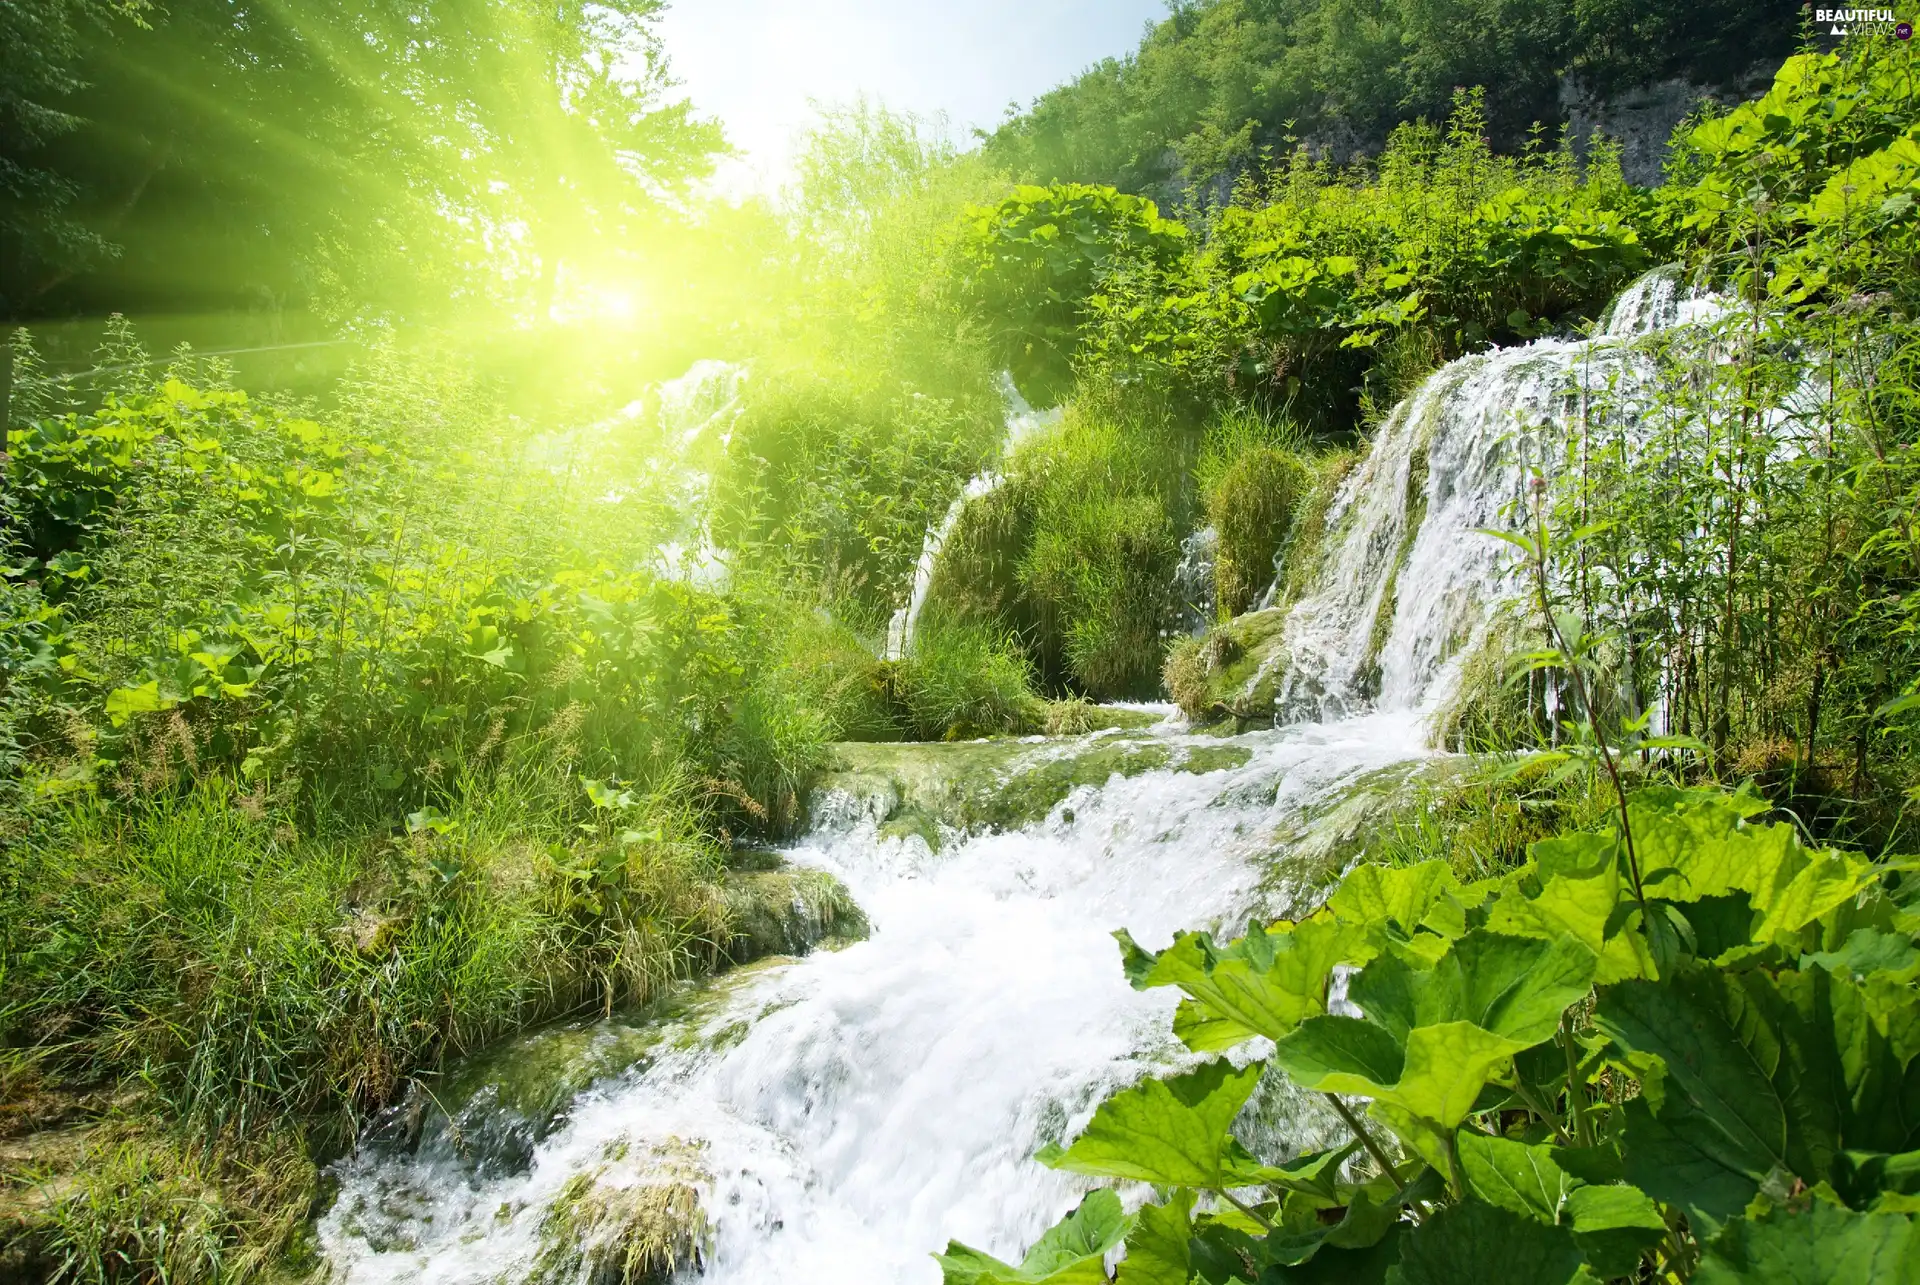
(755,63)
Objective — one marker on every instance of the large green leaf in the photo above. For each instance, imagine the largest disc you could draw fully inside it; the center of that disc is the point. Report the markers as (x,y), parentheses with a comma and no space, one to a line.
(1432,1037)
(1472,1243)
(1266,983)
(1407,897)
(1721,1126)
(1514,987)
(1821,1245)
(1758,1072)
(1867,951)
(1170,1132)
(1614,1226)
(1578,889)
(1698,844)
(1514,1176)
(1073,1252)
(1341,1055)
(1157,1249)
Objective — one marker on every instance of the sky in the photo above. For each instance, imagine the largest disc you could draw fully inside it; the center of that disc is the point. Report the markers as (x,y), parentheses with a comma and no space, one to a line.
(756,63)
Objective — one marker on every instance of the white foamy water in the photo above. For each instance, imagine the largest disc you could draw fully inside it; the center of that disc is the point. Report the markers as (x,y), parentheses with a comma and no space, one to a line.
(885,1097)
(1409,550)
(858,1108)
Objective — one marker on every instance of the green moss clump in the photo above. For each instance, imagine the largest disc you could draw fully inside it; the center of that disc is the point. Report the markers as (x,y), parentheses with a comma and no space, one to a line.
(641,1230)
(1214,758)
(788,912)
(1232,673)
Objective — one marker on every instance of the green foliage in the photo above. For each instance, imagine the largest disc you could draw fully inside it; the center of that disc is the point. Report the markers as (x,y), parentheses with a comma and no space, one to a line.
(1219,84)
(840,479)
(366,159)
(1033,261)
(279,591)
(1310,277)
(1076,550)
(1252,481)
(1765,603)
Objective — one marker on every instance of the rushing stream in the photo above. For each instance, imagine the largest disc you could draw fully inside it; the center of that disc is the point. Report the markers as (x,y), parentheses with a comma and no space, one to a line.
(847,1113)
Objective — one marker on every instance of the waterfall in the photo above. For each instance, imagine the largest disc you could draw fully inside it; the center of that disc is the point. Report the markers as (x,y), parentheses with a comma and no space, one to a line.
(847,1113)
(696,409)
(1022,421)
(1409,581)
(1193,580)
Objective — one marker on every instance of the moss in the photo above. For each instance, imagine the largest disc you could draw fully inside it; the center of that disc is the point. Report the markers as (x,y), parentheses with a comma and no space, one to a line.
(788,912)
(913,823)
(1234,673)
(126,1198)
(1251,502)
(981,785)
(1214,758)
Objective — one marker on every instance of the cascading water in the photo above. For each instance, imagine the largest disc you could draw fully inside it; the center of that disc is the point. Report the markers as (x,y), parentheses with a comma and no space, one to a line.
(1408,579)
(1023,421)
(1193,579)
(697,409)
(850,1112)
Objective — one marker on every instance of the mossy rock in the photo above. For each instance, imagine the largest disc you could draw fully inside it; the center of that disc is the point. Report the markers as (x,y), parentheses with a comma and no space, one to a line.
(788,912)
(990,786)
(1232,676)
(495,1107)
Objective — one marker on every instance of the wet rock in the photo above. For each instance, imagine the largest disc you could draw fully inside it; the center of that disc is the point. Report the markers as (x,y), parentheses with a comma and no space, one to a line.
(788,912)
(635,1220)
(989,786)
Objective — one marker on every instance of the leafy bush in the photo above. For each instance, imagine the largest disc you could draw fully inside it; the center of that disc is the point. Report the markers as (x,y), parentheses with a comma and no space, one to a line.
(840,479)
(248,974)
(1674,1045)
(966,680)
(1033,261)
(1075,552)
(1308,270)
(1735,530)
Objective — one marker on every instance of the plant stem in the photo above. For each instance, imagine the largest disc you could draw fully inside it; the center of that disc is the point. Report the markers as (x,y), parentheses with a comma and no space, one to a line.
(1576,1091)
(1581,693)
(1366,1140)
(1246,1209)
(1539,1108)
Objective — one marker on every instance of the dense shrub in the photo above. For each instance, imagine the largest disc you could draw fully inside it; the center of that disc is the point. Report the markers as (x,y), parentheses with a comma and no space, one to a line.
(1305,278)
(1076,551)
(1031,263)
(1251,481)
(838,479)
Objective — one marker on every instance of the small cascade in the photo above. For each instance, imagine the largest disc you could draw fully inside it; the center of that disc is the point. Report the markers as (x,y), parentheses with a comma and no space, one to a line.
(1193,580)
(1409,580)
(843,1115)
(1023,421)
(706,398)
(697,412)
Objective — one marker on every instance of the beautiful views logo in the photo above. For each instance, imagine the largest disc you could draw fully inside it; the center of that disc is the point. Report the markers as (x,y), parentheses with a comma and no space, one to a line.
(1839,21)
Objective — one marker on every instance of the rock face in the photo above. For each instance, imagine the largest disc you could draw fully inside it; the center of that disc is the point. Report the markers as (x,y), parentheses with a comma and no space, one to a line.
(1642,120)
